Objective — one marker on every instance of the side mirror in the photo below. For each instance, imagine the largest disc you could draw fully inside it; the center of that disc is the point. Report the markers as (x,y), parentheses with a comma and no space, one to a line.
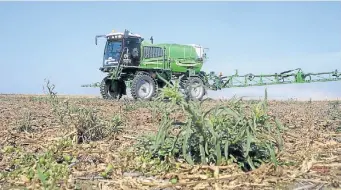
(99,36)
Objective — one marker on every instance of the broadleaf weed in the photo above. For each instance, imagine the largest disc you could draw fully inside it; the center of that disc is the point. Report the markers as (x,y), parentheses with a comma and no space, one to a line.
(236,131)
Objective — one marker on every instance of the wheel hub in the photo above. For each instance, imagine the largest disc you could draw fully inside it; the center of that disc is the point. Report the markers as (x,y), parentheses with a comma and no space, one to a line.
(145,89)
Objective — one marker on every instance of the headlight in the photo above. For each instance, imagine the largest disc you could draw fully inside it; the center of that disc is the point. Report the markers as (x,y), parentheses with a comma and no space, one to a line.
(116,36)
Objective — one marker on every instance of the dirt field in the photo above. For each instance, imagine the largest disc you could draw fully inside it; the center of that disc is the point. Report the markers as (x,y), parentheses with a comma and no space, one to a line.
(40,147)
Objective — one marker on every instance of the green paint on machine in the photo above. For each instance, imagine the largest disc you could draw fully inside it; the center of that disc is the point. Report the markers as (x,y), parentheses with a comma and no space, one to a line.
(131,62)
(174,57)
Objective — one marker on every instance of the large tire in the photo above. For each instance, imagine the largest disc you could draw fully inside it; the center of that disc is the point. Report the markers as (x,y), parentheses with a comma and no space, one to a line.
(108,92)
(194,88)
(143,87)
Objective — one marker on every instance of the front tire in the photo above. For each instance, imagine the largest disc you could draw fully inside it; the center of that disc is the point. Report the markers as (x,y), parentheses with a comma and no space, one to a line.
(111,90)
(143,87)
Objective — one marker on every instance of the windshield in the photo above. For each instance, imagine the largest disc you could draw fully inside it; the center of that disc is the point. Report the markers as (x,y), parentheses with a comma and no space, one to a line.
(112,52)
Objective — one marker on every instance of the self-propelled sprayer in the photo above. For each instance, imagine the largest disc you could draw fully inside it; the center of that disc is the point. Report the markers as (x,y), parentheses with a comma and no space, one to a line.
(130,61)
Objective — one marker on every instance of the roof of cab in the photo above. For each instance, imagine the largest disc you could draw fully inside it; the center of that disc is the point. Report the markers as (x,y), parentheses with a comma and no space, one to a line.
(121,33)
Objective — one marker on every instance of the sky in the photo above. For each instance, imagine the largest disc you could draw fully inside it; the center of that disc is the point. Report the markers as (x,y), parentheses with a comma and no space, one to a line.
(55,40)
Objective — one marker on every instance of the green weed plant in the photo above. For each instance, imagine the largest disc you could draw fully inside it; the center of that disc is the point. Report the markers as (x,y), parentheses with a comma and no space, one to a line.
(233,133)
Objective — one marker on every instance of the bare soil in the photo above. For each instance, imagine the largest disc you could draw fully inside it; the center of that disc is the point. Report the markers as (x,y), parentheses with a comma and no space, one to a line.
(311,158)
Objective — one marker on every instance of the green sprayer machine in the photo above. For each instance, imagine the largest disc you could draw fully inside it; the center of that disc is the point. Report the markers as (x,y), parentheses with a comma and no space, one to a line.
(145,67)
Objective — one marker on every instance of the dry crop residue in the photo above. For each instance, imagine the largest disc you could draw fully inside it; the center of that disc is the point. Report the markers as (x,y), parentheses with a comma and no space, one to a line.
(31,132)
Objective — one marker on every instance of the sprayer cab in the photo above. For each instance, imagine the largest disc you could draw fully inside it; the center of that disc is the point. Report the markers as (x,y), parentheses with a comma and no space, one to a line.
(121,49)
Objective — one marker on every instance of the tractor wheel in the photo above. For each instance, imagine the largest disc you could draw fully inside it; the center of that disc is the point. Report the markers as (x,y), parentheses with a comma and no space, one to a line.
(143,87)
(108,91)
(194,88)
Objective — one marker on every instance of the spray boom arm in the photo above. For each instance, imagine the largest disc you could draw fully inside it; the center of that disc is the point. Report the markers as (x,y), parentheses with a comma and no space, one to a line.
(286,77)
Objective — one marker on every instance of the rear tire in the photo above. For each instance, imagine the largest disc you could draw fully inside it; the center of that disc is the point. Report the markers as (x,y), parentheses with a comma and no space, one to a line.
(143,87)
(194,88)
(108,92)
